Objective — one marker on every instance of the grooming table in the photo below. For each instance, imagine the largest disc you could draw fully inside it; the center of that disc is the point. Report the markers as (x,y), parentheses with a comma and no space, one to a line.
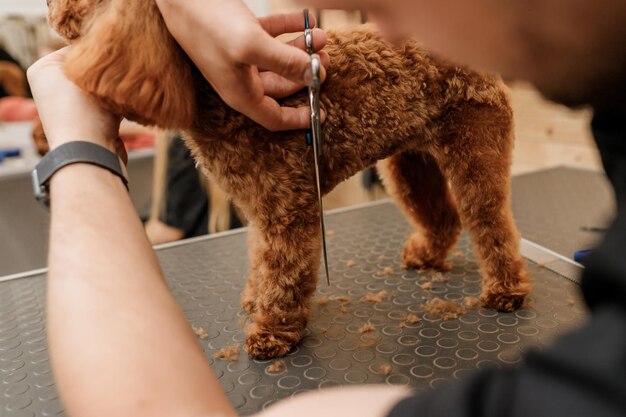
(556,208)
(207,275)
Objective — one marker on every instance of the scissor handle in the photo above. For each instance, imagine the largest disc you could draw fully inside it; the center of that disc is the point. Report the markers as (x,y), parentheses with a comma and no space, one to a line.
(316,68)
(308,33)
(314,101)
(308,41)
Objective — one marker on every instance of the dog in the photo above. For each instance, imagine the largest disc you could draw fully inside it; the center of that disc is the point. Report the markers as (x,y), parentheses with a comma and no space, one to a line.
(441,134)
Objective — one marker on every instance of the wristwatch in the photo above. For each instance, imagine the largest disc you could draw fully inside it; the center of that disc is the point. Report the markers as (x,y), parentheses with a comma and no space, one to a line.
(73,153)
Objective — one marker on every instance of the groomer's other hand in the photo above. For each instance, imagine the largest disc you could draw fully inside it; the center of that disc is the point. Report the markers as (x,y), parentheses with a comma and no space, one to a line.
(240,56)
(566,48)
(66,112)
(466,31)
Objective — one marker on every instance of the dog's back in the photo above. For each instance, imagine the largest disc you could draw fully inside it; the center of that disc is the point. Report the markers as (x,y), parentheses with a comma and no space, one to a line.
(380,99)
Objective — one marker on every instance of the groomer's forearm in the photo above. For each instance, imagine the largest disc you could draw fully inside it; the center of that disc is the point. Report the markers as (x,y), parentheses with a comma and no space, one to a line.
(119,344)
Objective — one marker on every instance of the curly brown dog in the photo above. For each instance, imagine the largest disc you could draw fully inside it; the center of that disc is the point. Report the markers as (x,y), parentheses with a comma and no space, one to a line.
(443,135)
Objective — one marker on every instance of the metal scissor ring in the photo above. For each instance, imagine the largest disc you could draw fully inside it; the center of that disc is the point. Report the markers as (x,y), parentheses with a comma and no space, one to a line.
(308,41)
(316,68)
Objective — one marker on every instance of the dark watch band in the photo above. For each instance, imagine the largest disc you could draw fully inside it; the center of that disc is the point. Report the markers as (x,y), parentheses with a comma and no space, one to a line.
(73,153)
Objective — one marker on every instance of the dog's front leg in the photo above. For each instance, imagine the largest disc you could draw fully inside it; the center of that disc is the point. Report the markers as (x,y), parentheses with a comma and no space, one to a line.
(283,278)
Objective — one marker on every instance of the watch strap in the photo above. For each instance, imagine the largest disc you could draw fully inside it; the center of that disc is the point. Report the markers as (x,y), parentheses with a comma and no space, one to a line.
(72,153)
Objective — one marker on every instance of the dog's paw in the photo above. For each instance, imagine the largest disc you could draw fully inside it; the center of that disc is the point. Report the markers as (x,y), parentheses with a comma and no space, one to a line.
(418,254)
(263,343)
(505,299)
(504,303)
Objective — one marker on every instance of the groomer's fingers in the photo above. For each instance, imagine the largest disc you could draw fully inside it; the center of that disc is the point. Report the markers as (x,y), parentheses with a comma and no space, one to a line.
(277,86)
(269,114)
(242,89)
(325,58)
(273,55)
(319,41)
(66,112)
(274,117)
(265,110)
(280,24)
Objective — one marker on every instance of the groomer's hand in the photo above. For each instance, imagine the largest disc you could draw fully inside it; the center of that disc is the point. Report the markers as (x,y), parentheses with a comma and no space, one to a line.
(66,112)
(241,58)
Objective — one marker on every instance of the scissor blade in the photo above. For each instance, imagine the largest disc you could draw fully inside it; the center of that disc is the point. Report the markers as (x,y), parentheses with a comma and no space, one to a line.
(324,242)
(316,131)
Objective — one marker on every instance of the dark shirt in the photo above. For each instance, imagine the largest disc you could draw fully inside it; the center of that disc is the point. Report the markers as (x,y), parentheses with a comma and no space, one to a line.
(584,373)
(186,200)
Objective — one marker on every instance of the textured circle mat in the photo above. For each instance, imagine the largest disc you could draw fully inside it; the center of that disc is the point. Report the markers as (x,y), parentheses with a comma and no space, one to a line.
(397,337)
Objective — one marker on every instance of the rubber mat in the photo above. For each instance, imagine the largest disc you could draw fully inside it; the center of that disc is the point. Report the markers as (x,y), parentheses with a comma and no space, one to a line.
(563,209)
(421,351)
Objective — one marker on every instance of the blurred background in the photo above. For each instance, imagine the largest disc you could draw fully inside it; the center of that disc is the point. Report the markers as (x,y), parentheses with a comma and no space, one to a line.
(170,196)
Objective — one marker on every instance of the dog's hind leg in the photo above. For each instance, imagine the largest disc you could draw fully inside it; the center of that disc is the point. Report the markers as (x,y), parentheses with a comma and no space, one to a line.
(479,143)
(286,273)
(416,183)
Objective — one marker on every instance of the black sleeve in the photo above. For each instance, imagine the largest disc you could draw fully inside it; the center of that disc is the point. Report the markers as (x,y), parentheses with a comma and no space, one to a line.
(584,373)
(186,199)
(605,276)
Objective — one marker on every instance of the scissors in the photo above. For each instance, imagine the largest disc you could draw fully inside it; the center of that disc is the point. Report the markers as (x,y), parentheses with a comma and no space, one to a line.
(315,136)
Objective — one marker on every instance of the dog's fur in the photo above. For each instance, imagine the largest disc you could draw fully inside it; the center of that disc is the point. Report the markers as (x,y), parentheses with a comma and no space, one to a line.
(443,135)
